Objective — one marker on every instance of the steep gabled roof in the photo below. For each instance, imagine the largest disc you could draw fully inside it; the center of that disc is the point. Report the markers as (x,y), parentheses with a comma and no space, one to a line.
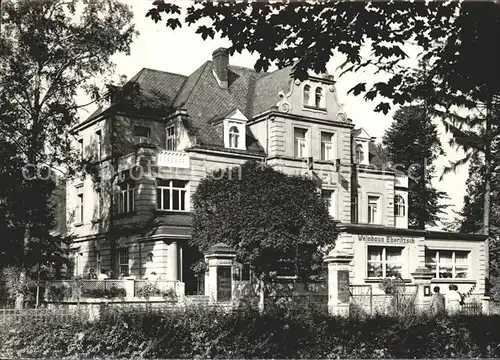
(204,100)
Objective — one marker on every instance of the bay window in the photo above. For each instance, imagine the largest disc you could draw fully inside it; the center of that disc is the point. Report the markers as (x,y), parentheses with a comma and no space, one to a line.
(126,201)
(171,195)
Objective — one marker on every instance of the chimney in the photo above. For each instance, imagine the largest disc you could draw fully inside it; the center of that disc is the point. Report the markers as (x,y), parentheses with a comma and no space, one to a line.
(220,58)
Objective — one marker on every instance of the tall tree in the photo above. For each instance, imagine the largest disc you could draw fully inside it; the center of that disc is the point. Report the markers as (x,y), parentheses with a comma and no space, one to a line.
(473,209)
(49,51)
(453,37)
(275,222)
(413,145)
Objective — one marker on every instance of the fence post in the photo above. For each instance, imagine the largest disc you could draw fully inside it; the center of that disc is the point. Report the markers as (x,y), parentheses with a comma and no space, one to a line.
(422,276)
(485,305)
(338,282)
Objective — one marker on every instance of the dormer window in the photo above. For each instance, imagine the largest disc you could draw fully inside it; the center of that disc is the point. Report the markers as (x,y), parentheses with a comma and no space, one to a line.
(234,130)
(171,138)
(234,137)
(142,135)
(319,98)
(359,153)
(307,94)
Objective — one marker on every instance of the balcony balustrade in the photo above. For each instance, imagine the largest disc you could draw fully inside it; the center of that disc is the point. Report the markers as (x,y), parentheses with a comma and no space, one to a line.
(176,159)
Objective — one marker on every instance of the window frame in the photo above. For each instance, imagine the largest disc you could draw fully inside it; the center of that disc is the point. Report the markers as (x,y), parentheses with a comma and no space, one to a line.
(376,214)
(319,103)
(306,99)
(98,135)
(171,138)
(80,208)
(354,209)
(399,205)
(122,254)
(296,143)
(234,137)
(127,192)
(183,193)
(453,264)
(80,148)
(98,212)
(332,204)
(384,262)
(137,138)
(324,144)
(359,153)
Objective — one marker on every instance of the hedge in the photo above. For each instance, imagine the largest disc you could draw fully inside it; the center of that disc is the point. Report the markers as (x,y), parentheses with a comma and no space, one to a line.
(278,333)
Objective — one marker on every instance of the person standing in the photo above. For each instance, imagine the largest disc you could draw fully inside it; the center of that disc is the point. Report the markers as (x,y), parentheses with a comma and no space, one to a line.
(438,302)
(453,300)
(102,275)
(91,275)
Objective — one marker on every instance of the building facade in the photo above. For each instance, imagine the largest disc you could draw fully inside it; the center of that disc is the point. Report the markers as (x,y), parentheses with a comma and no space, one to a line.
(130,208)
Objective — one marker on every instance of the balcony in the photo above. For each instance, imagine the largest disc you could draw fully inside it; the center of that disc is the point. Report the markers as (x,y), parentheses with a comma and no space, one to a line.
(164,158)
(174,159)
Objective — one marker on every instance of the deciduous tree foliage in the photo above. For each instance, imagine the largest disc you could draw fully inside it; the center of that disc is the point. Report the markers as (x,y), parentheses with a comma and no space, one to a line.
(453,36)
(472,210)
(413,145)
(275,222)
(48,51)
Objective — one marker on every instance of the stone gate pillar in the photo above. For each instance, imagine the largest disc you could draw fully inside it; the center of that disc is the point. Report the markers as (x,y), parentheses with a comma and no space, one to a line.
(422,276)
(219,277)
(338,282)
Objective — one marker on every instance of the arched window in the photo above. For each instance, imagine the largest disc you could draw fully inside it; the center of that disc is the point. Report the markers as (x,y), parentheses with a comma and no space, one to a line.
(234,137)
(359,153)
(319,98)
(307,94)
(399,206)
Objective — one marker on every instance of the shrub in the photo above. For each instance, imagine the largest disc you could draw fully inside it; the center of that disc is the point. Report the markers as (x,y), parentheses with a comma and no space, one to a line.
(149,289)
(59,293)
(279,332)
(113,292)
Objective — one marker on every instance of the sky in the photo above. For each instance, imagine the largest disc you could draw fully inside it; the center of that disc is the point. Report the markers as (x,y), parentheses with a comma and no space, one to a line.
(182,51)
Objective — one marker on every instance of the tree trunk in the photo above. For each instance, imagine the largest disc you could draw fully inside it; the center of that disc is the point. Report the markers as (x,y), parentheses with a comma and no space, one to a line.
(487,185)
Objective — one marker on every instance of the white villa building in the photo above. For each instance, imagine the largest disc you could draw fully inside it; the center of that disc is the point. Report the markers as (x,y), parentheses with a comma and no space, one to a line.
(134,220)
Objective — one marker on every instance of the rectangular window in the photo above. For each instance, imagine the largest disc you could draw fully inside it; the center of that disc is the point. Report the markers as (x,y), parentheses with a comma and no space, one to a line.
(80,148)
(98,205)
(171,138)
(354,209)
(328,196)
(373,210)
(126,201)
(327,140)
(300,143)
(142,135)
(448,264)
(171,195)
(98,136)
(98,262)
(79,209)
(123,266)
(384,261)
